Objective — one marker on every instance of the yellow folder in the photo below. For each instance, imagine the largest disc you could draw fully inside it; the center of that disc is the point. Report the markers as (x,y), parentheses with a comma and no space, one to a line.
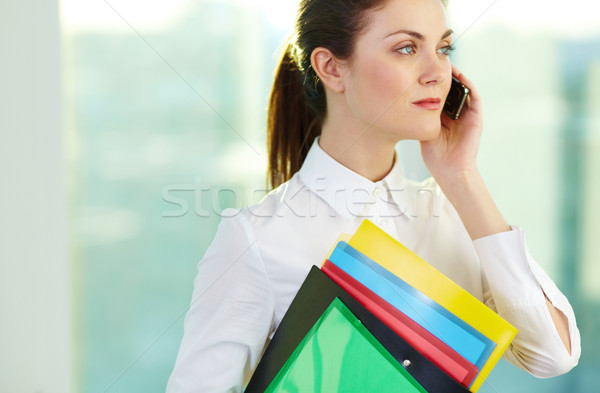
(389,253)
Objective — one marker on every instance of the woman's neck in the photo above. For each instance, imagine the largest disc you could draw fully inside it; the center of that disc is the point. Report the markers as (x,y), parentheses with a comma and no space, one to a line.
(357,148)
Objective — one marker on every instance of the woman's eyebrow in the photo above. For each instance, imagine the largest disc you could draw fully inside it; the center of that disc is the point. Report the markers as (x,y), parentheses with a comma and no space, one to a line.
(448,33)
(418,35)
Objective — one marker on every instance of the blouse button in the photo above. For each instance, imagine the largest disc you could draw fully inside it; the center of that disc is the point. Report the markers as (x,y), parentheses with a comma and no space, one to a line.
(382,222)
(377,192)
(406,363)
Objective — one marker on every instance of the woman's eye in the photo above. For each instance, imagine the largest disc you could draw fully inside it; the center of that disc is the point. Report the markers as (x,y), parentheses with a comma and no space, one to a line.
(446,50)
(407,50)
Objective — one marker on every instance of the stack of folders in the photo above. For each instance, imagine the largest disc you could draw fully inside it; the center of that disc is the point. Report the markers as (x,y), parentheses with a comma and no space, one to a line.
(377,318)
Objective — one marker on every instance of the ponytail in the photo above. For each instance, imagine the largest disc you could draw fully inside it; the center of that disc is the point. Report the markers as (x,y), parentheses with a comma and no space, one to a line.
(292,125)
(297,106)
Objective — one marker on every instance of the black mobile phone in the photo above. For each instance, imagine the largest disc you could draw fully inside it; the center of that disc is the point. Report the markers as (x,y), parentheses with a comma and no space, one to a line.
(456,99)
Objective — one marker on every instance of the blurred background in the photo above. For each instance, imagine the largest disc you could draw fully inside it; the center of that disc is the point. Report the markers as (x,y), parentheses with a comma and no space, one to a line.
(128,126)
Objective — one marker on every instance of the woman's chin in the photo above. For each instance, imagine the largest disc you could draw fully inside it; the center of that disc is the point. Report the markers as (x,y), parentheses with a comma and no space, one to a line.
(419,131)
(429,133)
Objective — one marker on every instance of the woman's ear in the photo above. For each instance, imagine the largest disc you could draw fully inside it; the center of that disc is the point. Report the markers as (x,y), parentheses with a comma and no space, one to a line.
(328,68)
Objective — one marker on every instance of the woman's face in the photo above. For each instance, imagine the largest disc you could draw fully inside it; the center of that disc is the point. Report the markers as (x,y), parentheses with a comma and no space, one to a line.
(399,74)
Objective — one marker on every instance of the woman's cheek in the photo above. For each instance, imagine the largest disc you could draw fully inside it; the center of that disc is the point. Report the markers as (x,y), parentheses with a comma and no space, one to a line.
(386,79)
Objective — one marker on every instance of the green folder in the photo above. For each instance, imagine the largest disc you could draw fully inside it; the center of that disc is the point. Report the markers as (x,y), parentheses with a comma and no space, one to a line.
(340,355)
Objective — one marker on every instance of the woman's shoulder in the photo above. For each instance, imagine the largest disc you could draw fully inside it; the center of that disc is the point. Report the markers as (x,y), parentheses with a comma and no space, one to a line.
(425,198)
(280,205)
(279,232)
(427,186)
(428,183)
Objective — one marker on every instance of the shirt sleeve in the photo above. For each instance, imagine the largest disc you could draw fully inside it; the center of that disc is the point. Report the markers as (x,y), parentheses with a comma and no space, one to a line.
(514,286)
(230,315)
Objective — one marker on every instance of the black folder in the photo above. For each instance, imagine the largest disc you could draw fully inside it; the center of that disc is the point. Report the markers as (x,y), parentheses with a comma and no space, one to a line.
(315,295)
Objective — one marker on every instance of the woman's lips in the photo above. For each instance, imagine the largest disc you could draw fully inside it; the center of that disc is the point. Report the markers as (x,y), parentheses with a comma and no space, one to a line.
(431,104)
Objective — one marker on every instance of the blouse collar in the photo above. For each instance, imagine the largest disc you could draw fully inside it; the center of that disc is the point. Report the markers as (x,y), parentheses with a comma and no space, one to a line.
(346,191)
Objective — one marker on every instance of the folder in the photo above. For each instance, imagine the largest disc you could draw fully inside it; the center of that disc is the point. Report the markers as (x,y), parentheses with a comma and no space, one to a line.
(435,350)
(340,355)
(375,243)
(314,296)
(458,335)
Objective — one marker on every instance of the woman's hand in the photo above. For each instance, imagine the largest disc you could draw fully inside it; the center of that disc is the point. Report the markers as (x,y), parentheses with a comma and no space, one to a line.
(454,152)
(451,160)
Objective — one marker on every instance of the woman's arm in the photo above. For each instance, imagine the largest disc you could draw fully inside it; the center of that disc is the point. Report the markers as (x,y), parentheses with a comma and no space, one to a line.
(230,315)
(480,216)
(519,290)
(451,159)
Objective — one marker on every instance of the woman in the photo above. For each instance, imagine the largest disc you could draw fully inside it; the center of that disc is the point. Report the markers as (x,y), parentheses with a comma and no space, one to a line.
(358,77)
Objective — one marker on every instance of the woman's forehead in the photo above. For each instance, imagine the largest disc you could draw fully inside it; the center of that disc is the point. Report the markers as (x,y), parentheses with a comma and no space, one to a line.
(425,17)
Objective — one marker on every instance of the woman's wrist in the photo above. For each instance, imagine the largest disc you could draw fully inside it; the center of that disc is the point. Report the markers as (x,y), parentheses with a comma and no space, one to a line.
(458,183)
(469,195)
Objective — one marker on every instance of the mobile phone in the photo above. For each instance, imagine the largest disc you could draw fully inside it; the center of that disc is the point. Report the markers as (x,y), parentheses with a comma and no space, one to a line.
(456,99)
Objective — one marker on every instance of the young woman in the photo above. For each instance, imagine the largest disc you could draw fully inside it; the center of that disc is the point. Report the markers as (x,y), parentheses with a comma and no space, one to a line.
(357,77)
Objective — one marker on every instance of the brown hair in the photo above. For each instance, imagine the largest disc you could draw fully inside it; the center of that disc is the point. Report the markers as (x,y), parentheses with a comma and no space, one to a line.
(297,105)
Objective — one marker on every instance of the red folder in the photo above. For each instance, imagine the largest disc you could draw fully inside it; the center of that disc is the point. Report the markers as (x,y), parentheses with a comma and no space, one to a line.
(426,343)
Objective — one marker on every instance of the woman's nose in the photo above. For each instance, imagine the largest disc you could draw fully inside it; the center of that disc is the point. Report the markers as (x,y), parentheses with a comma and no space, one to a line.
(435,70)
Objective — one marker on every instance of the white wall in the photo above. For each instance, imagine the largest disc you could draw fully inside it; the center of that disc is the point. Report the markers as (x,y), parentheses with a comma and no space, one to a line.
(36,349)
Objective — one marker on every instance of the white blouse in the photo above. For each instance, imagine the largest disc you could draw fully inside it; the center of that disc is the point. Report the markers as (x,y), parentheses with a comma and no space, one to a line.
(261,255)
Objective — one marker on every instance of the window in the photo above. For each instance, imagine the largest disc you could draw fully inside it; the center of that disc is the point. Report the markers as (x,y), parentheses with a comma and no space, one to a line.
(166,106)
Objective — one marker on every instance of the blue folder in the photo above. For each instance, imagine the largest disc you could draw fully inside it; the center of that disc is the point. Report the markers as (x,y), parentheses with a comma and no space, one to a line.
(457,334)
